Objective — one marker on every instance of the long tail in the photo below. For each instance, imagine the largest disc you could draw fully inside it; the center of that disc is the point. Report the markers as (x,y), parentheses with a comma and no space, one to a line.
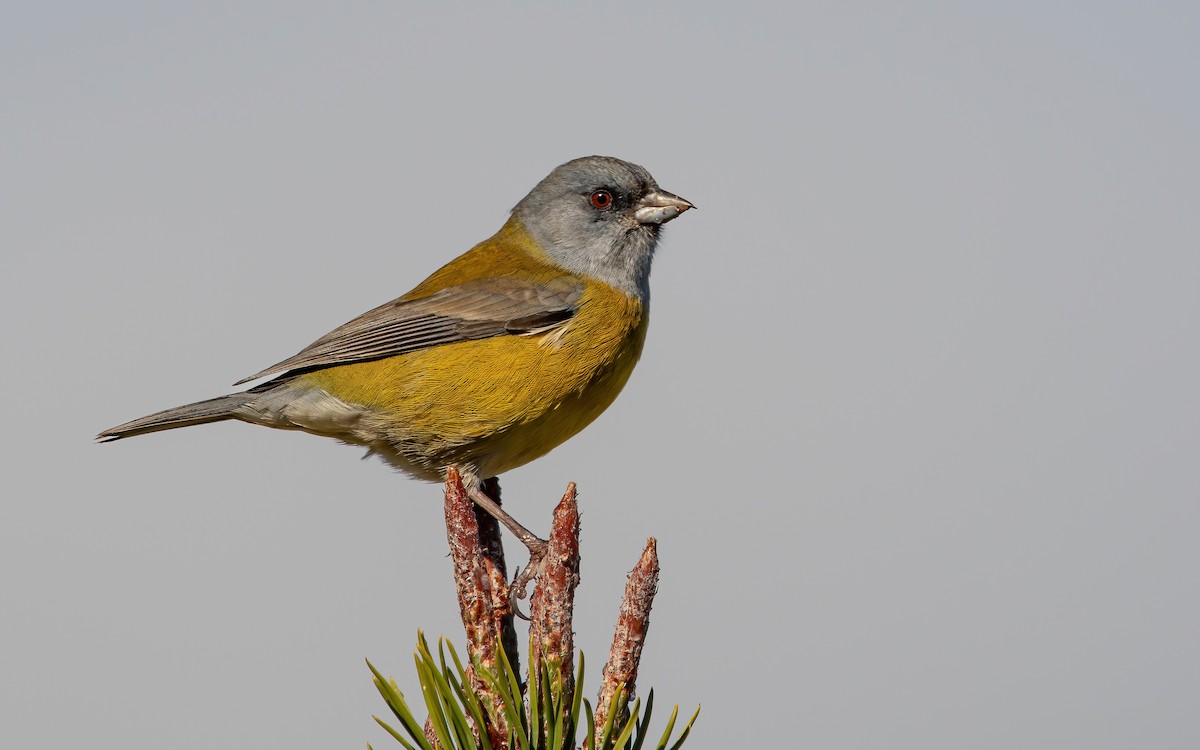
(201,412)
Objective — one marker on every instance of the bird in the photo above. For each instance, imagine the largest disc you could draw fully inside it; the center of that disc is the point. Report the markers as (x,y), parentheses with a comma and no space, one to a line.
(492,361)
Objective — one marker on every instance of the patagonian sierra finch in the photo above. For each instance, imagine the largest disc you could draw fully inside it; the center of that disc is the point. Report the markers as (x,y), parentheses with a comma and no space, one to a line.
(498,357)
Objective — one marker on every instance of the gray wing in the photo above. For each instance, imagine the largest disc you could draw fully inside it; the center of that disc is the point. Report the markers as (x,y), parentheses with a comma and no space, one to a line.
(477,310)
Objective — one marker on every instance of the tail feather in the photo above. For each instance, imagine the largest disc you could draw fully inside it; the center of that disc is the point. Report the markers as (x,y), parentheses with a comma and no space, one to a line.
(201,412)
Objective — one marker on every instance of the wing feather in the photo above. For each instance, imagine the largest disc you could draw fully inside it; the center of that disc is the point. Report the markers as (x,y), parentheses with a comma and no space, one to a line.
(476,310)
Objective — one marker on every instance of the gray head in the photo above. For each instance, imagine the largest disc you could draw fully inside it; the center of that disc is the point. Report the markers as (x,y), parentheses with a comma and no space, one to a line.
(601,217)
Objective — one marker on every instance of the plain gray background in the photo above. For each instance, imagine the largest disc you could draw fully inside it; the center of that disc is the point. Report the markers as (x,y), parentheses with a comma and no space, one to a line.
(916,426)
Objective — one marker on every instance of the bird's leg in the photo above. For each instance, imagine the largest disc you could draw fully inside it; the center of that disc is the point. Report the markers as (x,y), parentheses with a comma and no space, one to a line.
(535,544)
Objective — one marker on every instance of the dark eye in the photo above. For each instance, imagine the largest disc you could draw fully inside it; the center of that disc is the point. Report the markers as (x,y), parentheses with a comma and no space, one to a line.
(602,199)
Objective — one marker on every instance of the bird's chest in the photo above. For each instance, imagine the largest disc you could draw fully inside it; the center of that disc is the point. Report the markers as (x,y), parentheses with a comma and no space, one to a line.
(570,372)
(581,372)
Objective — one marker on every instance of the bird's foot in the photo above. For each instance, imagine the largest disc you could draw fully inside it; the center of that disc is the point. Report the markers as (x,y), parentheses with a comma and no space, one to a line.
(537,562)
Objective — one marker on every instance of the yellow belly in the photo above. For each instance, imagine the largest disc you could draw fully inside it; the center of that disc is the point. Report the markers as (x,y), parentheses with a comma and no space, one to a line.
(495,404)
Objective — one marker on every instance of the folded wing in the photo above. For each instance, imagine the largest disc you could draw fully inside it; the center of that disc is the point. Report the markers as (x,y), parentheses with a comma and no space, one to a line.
(476,310)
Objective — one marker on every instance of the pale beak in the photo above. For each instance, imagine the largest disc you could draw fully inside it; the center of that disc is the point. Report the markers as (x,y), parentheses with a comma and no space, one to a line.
(659,207)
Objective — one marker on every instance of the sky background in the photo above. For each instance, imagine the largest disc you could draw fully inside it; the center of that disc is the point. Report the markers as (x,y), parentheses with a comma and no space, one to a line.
(916,427)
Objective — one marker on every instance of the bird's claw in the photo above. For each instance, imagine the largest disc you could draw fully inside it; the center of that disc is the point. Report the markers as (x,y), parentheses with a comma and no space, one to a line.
(520,584)
(516,593)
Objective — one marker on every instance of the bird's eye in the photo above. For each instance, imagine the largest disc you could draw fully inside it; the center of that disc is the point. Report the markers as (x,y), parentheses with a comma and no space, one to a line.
(602,199)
